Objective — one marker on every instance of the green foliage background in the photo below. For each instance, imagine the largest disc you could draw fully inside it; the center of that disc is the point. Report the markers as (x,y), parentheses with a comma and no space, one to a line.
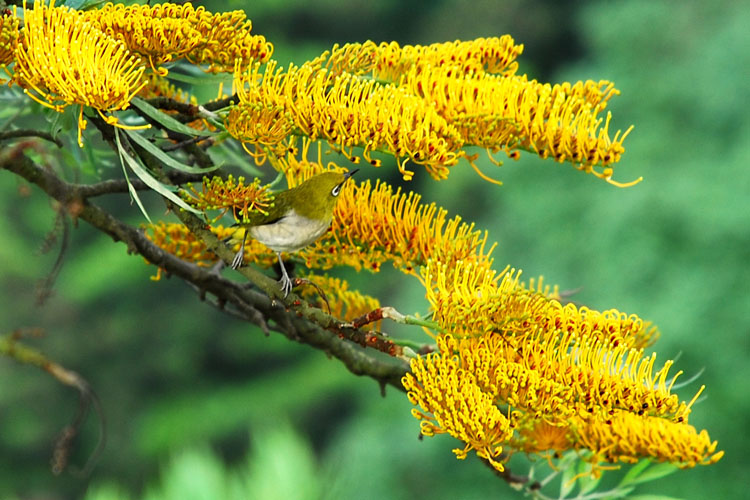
(197,403)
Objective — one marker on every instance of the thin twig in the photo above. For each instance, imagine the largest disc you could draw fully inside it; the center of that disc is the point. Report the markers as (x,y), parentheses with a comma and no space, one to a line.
(15,134)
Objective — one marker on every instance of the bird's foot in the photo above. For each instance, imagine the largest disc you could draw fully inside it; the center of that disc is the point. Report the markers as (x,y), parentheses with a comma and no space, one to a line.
(286,285)
(238,258)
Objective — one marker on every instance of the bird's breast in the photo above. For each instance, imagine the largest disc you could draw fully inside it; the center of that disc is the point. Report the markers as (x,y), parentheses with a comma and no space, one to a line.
(290,233)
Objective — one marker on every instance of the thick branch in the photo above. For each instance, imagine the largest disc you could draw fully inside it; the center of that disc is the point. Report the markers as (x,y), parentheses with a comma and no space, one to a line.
(255,307)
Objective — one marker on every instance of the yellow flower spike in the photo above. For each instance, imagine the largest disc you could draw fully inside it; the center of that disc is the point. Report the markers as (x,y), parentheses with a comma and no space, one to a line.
(490,55)
(8,38)
(487,301)
(242,199)
(570,393)
(627,437)
(63,60)
(259,124)
(452,403)
(510,112)
(374,224)
(539,435)
(163,33)
(351,112)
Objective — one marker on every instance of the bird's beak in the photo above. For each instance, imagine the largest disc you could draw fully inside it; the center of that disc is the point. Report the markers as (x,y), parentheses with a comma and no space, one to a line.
(350,173)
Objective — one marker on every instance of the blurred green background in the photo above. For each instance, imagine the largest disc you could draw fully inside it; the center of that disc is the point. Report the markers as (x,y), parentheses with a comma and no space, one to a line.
(198,403)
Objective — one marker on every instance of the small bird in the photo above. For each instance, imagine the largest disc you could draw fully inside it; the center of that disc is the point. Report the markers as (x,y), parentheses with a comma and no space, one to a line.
(298,217)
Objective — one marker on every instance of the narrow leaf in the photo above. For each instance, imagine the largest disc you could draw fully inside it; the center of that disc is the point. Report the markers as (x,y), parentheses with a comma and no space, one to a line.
(151,182)
(567,483)
(164,157)
(197,79)
(652,497)
(656,472)
(618,492)
(586,482)
(634,472)
(166,120)
(131,189)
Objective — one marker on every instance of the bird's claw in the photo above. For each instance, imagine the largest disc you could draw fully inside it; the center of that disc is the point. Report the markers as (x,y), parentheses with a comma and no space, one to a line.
(286,285)
(238,258)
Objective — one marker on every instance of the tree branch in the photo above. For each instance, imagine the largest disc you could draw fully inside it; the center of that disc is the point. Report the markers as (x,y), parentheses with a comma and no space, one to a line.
(298,323)
(15,134)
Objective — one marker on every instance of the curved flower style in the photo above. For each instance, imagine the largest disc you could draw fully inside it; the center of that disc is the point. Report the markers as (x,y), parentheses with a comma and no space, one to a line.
(468,298)
(429,104)
(344,303)
(180,242)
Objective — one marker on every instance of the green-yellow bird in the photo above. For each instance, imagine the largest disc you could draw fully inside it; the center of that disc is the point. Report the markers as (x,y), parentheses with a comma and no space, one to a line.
(298,217)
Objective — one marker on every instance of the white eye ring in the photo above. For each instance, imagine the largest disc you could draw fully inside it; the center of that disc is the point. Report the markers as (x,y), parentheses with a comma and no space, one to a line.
(336,190)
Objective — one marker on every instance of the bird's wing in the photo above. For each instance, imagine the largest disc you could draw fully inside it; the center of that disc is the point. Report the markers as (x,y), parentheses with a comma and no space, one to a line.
(274,214)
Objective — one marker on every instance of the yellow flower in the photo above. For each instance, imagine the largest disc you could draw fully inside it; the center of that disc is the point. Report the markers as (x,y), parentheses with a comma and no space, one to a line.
(261,124)
(8,38)
(350,112)
(511,113)
(242,199)
(374,224)
(452,402)
(538,435)
(390,61)
(565,393)
(165,32)
(468,298)
(627,437)
(62,60)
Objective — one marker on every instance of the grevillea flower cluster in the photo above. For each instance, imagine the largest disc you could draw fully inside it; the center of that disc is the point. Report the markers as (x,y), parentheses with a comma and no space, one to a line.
(99,58)
(345,303)
(559,392)
(166,32)
(179,241)
(218,193)
(61,60)
(429,105)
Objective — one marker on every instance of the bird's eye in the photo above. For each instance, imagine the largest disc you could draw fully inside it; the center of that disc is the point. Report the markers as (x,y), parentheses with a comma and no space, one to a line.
(336,190)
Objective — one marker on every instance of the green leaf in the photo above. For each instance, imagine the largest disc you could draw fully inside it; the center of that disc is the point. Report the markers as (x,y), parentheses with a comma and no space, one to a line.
(652,497)
(144,175)
(166,120)
(618,492)
(586,482)
(567,483)
(164,157)
(82,4)
(198,79)
(131,189)
(635,471)
(656,472)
